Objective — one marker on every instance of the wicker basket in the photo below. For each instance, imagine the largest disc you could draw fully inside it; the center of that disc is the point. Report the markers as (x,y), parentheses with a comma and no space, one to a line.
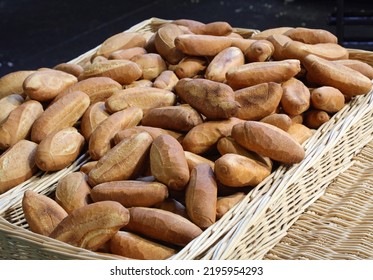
(251,228)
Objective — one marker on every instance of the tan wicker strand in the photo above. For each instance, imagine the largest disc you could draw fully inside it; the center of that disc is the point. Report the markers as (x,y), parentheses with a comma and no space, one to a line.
(341,220)
(255,225)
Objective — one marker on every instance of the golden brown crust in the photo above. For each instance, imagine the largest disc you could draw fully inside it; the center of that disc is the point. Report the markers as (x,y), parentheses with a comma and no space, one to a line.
(8,104)
(123,161)
(93,225)
(59,149)
(13,82)
(295,97)
(162,225)
(201,196)
(41,212)
(63,113)
(46,85)
(167,162)
(17,164)
(133,246)
(93,116)
(268,140)
(131,193)
(73,191)
(101,138)
(259,101)
(19,123)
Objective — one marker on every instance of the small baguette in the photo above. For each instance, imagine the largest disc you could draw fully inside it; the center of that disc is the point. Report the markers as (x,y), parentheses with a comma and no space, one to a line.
(91,226)
(13,82)
(179,118)
(162,225)
(123,161)
(63,113)
(17,164)
(168,163)
(201,196)
(131,193)
(101,138)
(42,213)
(93,116)
(133,246)
(19,123)
(262,72)
(259,137)
(73,192)
(59,149)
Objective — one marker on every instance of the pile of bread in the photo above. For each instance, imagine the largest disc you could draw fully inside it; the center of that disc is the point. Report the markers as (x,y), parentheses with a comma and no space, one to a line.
(179,125)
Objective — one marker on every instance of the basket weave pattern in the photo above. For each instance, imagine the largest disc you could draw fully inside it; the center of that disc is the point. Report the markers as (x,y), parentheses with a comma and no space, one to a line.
(249,230)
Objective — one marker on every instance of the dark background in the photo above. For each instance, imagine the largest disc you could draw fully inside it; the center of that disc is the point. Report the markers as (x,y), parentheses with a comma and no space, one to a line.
(42,33)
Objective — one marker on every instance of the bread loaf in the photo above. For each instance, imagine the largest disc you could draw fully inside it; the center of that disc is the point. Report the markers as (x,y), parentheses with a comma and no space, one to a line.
(41,212)
(133,246)
(179,118)
(166,80)
(201,196)
(59,149)
(167,162)
(162,225)
(212,99)
(73,192)
(101,138)
(123,161)
(19,123)
(259,137)
(17,164)
(63,113)
(91,226)
(328,99)
(295,97)
(259,101)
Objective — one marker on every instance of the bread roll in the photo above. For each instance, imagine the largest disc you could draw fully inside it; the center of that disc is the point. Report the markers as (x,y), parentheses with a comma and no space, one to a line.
(179,118)
(201,196)
(328,99)
(63,113)
(127,53)
(328,73)
(13,82)
(59,149)
(91,226)
(144,98)
(268,140)
(131,193)
(166,80)
(234,170)
(262,72)
(151,64)
(168,163)
(133,246)
(120,70)
(8,104)
(295,97)
(121,41)
(46,85)
(224,204)
(73,192)
(101,138)
(41,212)
(93,116)
(19,123)
(123,161)
(162,225)
(259,101)
(70,68)
(212,99)
(17,164)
